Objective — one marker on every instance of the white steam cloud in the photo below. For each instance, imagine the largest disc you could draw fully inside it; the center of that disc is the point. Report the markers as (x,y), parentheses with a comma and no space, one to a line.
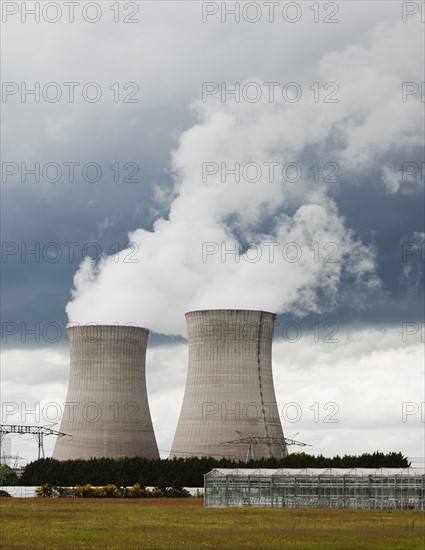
(173,273)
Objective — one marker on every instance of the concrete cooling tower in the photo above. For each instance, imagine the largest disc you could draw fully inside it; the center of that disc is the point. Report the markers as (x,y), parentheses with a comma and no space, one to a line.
(229,406)
(106,413)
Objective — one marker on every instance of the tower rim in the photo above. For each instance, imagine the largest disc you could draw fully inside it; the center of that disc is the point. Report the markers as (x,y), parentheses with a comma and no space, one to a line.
(226,310)
(70,326)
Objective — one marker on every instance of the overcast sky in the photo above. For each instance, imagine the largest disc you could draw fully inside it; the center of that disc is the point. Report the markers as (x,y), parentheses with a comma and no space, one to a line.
(130,127)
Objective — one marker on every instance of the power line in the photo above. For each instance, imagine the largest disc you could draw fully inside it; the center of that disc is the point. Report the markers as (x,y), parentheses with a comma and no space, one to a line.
(37,431)
(253,440)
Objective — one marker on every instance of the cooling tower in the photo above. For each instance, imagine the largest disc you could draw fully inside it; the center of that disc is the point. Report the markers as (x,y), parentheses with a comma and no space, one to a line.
(106,413)
(229,400)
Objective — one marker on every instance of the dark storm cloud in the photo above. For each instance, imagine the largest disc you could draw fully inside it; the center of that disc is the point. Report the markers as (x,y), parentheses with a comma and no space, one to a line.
(171,63)
(43,243)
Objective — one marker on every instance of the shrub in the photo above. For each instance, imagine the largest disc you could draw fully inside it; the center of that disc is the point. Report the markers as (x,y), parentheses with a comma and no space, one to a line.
(83,491)
(98,492)
(7,475)
(4,493)
(65,492)
(112,491)
(137,491)
(46,490)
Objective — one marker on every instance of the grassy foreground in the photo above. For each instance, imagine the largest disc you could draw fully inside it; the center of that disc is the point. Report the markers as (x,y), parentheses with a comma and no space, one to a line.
(185,524)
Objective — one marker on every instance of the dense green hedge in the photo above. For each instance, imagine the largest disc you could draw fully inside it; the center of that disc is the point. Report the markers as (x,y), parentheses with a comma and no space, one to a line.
(181,472)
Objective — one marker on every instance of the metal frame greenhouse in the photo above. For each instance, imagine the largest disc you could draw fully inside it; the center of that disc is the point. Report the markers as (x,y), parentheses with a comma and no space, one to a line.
(392,488)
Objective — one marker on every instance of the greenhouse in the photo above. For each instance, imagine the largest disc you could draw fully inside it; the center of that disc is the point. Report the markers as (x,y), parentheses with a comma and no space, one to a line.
(385,489)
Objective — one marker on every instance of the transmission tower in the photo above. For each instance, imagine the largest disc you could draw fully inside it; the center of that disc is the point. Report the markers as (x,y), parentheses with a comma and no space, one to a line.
(15,459)
(252,441)
(37,431)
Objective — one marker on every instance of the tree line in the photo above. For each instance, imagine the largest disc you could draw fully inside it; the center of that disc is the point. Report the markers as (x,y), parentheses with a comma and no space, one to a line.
(181,472)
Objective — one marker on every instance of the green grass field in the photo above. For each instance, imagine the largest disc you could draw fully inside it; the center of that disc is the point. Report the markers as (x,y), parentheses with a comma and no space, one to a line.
(185,524)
